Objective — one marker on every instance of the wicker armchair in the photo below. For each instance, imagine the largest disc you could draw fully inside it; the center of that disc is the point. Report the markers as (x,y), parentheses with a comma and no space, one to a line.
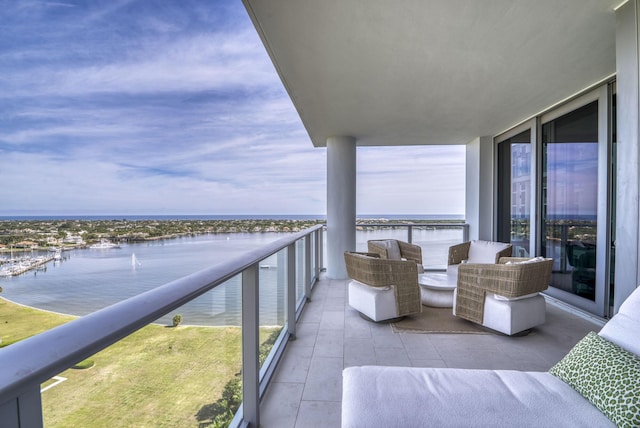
(503,296)
(396,250)
(382,289)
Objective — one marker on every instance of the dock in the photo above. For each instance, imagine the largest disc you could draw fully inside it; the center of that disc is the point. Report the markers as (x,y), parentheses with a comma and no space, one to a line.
(25,264)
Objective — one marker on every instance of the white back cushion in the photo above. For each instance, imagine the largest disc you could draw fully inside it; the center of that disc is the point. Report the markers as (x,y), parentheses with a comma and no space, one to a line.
(624,328)
(485,251)
(393,249)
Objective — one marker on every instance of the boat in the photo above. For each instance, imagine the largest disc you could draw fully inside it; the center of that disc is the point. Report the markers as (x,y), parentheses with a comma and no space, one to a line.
(104,244)
(265,266)
(134,261)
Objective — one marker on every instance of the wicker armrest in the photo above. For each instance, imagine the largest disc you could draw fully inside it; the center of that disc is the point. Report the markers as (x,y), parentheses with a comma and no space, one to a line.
(378,249)
(411,252)
(509,280)
(458,253)
(506,253)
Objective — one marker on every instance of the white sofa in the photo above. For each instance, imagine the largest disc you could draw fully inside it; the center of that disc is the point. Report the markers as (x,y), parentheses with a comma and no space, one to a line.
(435,397)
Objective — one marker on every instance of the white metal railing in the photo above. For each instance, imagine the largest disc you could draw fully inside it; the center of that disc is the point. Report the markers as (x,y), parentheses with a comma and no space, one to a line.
(410,226)
(30,362)
(434,238)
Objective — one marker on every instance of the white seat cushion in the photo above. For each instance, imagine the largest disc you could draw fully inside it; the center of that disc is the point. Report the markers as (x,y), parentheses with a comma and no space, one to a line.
(428,397)
(453,271)
(524,262)
(511,299)
(513,316)
(377,303)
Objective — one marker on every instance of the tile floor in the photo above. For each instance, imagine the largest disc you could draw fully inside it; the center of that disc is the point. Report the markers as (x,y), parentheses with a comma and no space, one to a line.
(306,390)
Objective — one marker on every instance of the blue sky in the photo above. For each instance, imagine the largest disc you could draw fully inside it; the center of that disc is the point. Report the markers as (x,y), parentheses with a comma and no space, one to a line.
(173,107)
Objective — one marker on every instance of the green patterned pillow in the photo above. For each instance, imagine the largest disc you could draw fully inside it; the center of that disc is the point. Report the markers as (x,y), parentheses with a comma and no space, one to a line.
(606,375)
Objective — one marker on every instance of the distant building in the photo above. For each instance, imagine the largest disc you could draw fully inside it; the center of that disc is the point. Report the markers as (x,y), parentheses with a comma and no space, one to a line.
(25,244)
(73,239)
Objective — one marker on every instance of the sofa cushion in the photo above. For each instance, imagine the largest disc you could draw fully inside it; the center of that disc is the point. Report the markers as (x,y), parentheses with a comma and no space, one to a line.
(606,375)
(524,262)
(376,396)
(485,251)
(624,328)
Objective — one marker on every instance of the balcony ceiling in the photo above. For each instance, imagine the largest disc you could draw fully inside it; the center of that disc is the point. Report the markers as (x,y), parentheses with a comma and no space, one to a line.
(432,71)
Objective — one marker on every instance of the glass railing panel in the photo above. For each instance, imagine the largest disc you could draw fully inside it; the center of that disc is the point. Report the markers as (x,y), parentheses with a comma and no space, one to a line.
(435,242)
(158,375)
(366,233)
(183,370)
(272,301)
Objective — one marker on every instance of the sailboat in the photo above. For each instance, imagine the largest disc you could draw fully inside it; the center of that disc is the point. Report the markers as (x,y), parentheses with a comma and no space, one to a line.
(134,261)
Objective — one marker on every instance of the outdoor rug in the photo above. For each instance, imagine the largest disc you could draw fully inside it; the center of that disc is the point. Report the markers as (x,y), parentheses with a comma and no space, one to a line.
(436,320)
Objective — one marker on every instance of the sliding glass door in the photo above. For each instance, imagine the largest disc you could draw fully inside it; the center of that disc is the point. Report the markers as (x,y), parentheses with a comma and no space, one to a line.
(570,199)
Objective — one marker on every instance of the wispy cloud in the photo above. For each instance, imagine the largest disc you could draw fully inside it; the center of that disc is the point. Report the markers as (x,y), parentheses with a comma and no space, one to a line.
(170,107)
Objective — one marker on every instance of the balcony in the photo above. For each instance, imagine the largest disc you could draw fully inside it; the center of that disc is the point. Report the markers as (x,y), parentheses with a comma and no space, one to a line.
(300,382)
(306,390)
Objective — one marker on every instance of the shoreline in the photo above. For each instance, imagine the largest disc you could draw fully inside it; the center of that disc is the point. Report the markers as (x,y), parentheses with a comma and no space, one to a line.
(42,235)
(153,323)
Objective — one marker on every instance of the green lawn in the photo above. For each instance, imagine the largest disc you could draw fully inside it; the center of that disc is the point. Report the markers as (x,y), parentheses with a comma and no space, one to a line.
(18,322)
(157,377)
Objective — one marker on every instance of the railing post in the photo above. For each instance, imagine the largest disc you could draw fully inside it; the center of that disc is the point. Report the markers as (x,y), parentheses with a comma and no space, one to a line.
(250,346)
(465,232)
(307,267)
(563,246)
(321,247)
(25,411)
(410,234)
(291,291)
(281,287)
(318,256)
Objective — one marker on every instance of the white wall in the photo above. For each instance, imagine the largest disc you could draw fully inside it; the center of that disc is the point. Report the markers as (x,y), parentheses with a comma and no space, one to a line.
(479,188)
(627,275)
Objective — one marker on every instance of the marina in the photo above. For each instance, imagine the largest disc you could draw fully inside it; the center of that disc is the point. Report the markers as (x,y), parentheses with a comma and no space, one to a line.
(20,265)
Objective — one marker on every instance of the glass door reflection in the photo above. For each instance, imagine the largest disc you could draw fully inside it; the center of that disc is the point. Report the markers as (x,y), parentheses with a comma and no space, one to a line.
(570,199)
(514,192)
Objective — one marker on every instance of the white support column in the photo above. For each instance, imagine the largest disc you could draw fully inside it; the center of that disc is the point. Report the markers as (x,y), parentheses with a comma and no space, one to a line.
(341,203)
(627,273)
(479,188)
